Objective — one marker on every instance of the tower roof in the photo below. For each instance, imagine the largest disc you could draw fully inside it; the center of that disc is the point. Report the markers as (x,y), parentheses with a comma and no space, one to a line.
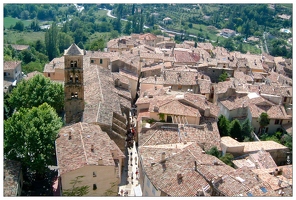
(73,50)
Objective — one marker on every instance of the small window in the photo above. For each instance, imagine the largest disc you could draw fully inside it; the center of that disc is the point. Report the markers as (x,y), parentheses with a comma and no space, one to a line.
(71,79)
(5,74)
(72,95)
(277,121)
(179,87)
(48,74)
(94,186)
(92,61)
(76,79)
(76,95)
(101,61)
(73,63)
(94,174)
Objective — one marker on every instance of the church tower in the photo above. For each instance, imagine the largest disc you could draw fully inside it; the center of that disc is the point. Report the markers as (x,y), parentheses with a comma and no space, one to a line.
(73,84)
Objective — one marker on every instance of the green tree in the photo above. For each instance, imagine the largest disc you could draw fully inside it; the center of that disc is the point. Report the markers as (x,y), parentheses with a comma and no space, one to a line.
(75,190)
(214,152)
(98,44)
(51,42)
(223,126)
(29,137)
(247,129)
(114,34)
(36,91)
(227,159)
(64,41)
(263,121)
(19,26)
(112,190)
(223,77)
(235,130)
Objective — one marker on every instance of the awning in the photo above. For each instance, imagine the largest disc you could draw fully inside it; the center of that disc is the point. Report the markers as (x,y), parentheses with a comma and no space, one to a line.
(138,191)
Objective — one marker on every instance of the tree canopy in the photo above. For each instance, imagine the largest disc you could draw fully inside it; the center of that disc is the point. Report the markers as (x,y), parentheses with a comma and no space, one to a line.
(36,91)
(263,120)
(29,137)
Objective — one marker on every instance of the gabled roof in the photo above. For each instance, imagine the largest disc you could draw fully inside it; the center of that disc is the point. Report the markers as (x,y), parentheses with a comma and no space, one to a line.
(75,152)
(73,50)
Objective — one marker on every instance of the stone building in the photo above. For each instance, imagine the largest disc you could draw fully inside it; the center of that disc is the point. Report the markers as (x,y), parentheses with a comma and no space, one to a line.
(73,86)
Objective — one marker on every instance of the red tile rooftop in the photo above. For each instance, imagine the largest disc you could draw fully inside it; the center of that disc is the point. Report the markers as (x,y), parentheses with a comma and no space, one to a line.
(11,64)
(74,145)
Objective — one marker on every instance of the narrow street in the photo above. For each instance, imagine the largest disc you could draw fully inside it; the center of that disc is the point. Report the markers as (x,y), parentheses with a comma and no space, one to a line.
(129,179)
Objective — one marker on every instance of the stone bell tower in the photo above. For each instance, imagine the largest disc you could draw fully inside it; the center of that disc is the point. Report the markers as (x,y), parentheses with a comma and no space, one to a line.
(73,84)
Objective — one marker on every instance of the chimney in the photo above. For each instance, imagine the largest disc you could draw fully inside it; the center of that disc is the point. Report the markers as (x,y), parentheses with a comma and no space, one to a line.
(70,136)
(100,161)
(92,148)
(179,178)
(207,112)
(162,156)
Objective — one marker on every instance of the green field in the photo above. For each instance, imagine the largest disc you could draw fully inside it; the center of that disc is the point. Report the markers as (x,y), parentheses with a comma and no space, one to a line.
(15,37)
(8,21)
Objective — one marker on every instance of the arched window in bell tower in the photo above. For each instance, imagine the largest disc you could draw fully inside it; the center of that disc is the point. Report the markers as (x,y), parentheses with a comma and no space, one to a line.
(71,79)
(72,95)
(76,79)
(76,95)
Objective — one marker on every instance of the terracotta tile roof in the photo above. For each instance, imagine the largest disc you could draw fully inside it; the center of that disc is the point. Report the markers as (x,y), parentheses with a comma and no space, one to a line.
(172,106)
(11,64)
(206,45)
(147,36)
(186,57)
(230,142)
(100,99)
(20,47)
(120,77)
(232,103)
(220,51)
(243,182)
(128,74)
(260,160)
(151,80)
(12,171)
(163,175)
(149,96)
(222,87)
(284,80)
(266,145)
(56,63)
(273,112)
(151,67)
(257,75)
(32,74)
(201,103)
(76,152)
(205,86)
(73,50)
(172,77)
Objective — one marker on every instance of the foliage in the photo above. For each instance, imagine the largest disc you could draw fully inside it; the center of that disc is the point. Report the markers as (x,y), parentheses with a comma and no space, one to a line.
(110,191)
(223,77)
(36,91)
(98,44)
(76,191)
(227,159)
(279,137)
(263,120)
(223,126)
(161,116)
(235,130)
(19,26)
(51,42)
(29,137)
(247,129)
(7,108)
(214,152)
